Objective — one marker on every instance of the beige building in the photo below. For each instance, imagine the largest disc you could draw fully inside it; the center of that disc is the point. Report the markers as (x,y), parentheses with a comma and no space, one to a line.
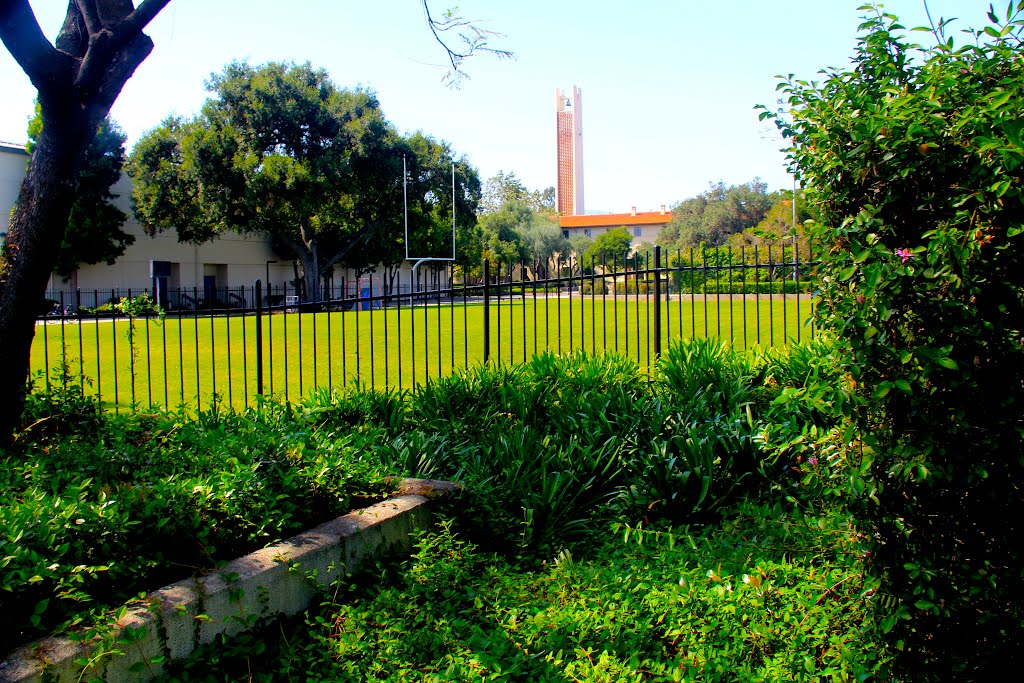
(642,226)
(178,274)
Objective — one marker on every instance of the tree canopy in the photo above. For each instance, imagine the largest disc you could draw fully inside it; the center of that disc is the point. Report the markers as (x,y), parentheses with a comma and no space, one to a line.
(710,217)
(612,246)
(77,78)
(281,150)
(503,188)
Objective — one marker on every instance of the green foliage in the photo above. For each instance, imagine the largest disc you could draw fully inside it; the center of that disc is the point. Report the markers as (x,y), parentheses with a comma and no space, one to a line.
(549,454)
(281,150)
(93,234)
(772,594)
(915,160)
(778,225)
(503,188)
(97,507)
(712,216)
(613,245)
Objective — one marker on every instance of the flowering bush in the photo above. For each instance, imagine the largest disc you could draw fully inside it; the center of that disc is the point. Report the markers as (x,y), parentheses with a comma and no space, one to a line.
(914,158)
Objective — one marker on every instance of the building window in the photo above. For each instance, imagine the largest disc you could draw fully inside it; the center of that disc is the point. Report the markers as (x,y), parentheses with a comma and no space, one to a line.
(638,232)
(565,234)
(587,232)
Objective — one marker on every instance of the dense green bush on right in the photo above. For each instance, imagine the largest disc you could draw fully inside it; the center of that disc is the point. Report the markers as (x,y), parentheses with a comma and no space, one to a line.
(914,158)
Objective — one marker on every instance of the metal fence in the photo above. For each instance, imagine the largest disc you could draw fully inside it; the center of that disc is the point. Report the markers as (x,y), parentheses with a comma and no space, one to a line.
(234,344)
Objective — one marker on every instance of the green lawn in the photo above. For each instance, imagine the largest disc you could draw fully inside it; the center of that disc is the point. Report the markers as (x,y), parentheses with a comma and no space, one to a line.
(184,359)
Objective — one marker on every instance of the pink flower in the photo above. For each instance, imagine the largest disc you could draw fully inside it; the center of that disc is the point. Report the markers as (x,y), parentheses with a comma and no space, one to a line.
(904,254)
(813,461)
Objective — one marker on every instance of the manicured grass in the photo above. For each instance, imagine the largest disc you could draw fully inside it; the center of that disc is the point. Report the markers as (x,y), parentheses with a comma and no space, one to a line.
(189,360)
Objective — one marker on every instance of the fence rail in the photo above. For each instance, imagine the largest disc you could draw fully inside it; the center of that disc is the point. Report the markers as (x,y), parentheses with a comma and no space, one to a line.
(233,344)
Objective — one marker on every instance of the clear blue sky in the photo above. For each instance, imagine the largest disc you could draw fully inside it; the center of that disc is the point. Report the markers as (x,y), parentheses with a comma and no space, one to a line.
(669,86)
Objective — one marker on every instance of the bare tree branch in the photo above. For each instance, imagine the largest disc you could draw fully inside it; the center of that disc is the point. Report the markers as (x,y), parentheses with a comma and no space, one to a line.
(474,40)
(143,14)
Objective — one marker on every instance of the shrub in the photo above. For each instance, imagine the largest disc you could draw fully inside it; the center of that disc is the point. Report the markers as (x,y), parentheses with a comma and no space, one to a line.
(915,159)
(96,507)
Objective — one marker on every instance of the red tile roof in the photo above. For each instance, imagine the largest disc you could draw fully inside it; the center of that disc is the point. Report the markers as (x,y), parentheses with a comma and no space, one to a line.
(614,220)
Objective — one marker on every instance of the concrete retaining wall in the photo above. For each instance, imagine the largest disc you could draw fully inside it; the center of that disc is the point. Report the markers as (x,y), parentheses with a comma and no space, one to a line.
(279,580)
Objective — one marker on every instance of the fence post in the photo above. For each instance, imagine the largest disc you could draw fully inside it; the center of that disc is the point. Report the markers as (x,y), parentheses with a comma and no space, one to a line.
(487,311)
(657,301)
(259,338)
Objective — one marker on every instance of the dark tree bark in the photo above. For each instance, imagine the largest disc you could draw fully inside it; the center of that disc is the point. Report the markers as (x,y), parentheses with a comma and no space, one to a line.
(78,78)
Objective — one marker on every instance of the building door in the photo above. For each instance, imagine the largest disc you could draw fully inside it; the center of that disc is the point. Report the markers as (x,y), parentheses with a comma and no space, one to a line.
(209,290)
(161,282)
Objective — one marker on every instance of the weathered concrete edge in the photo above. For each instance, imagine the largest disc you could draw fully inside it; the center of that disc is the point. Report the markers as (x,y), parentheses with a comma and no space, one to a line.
(280,579)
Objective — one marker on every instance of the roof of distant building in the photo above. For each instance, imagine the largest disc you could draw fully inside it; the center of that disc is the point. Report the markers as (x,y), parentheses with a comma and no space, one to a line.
(12,147)
(614,220)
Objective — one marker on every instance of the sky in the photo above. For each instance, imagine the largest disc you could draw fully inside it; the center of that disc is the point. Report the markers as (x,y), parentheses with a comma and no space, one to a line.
(669,86)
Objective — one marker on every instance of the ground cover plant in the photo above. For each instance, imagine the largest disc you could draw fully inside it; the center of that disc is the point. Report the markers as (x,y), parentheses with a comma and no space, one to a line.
(775,592)
(96,507)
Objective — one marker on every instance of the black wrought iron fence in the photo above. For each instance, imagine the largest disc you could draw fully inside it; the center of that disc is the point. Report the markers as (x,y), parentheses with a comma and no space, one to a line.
(193,346)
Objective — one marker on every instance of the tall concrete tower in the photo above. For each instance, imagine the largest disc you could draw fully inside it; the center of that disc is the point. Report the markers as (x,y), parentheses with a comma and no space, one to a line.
(569,127)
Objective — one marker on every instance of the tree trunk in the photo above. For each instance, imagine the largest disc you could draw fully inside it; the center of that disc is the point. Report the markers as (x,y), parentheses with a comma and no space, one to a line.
(98,49)
(37,223)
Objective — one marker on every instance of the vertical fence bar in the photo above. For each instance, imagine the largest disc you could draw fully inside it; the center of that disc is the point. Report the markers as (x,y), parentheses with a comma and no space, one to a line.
(96,320)
(465,320)
(785,337)
(270,335)
(316,309)
(604,301)
(615,299)
(398,313)
(301,299)
(536,281)
(522,296)
(369,312)
(440,339)
(743,287)
(497,303)
(732,327)
(387,347)
(412,326)
(796,281)
(284,336)
(771,301)
(227,341)
(259,338)
(245,345)
(426,333)
(757,293)
(451,312)
(344,328)
(657,302)
(487,311)
(330,337)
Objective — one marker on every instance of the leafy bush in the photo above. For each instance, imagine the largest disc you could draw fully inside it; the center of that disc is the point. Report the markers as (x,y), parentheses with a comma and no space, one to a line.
(772,594)
(95,507)
(633,287)
(915,159)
